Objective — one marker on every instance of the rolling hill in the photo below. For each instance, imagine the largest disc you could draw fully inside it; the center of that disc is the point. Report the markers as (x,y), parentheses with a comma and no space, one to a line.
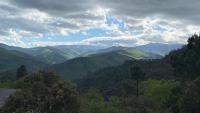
(117,76)
(52,55)
(76,61)
(11,59)
(62,53)
(56,54)
(11,47)
(137,54)
(80,67)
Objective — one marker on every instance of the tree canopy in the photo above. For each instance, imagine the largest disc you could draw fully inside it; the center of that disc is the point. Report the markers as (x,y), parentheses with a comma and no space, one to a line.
(43,92)
(21,71)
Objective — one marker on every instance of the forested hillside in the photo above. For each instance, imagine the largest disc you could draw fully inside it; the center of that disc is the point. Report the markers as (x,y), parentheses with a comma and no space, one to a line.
(80,67)
(11,59)
(167,85)
(112,82)
(99,56)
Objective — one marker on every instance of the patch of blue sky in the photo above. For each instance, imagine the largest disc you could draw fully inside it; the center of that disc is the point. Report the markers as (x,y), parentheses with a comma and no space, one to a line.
(110,20)
(72,37)
(135,33)
(158,28)
(25,39)
(59,38)
(97,32)
(94,32)
(83,34)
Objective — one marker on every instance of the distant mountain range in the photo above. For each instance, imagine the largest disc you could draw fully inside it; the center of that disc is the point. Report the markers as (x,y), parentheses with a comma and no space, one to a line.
(56,54)
(158,48)
(76,61)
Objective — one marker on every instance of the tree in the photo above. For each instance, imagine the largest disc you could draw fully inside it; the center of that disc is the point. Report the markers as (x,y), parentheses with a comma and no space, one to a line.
(190,98)
(163,94)
(92,102)
(138,75)
(114,105)
(133,104)
(21,71)
(186,61)
(43,92)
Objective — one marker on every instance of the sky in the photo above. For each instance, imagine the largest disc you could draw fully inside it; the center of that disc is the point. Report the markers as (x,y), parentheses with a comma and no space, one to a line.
(31,23)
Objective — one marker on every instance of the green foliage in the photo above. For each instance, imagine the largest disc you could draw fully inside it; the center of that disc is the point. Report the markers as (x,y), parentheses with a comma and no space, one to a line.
(161,93)
(114,105)
(135,104)
(93,102)
(118,78)
(43,92)
(158,91)
(190,98)
(138,75)
(18,84)
(20,102)
(7,84)
(80,67)
(21,71)
(118,87)
(186,61)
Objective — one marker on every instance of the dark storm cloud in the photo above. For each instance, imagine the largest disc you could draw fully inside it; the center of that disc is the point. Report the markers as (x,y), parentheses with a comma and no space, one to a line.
(56,7)
(178,9)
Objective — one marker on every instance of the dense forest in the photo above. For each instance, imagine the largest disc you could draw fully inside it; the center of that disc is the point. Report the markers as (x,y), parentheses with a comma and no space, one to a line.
(167,85)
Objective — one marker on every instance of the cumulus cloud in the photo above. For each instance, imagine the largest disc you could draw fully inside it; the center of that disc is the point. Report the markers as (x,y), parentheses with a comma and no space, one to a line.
(168,21)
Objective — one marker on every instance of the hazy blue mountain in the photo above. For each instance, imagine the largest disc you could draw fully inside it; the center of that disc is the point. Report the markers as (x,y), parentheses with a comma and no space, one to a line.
(62,53)
(81,47)
(11,47)
(159,48)
(82,50)
(56,54)
(156,48)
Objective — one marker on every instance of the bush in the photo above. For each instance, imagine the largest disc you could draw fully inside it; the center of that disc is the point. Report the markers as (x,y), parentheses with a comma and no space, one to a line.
(43,92)
(162,93)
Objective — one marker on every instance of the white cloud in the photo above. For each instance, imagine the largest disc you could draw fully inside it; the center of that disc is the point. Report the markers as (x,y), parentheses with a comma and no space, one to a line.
(102,41)
(43,18)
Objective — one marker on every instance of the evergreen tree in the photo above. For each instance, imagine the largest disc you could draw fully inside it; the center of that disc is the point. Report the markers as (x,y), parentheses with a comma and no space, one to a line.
(190,98)
(138,75)
(186,61)
(21,71)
